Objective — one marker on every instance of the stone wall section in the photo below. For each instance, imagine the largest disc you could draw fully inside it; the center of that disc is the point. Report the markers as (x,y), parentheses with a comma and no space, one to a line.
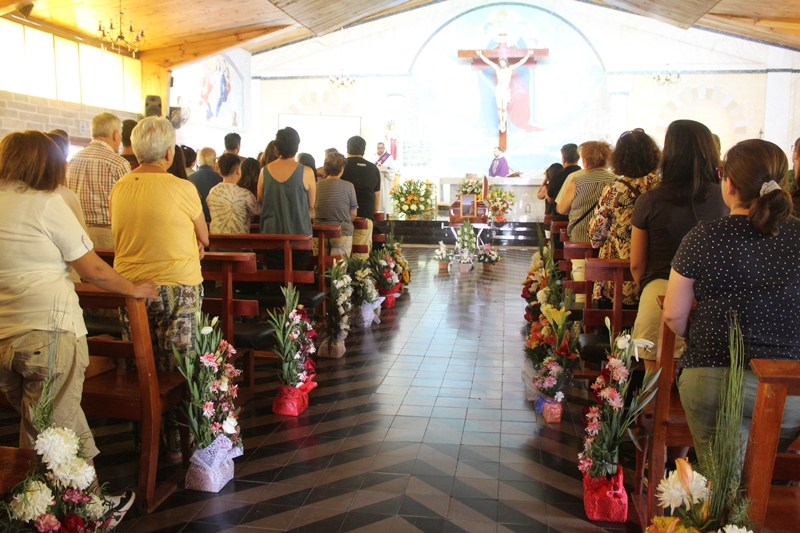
(20,112)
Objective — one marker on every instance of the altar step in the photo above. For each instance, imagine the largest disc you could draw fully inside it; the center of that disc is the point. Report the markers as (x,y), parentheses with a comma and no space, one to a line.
(431,232)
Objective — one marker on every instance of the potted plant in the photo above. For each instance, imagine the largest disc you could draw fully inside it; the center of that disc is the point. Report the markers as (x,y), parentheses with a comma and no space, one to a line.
(213,419)
(608,424)
(388,281)
(443,256)
(294,344)
(464,260)
(488,257)
(366,302)
(337,319)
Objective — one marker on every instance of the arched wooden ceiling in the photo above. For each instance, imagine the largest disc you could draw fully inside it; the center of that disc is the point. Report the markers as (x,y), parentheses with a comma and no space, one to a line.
(183,30)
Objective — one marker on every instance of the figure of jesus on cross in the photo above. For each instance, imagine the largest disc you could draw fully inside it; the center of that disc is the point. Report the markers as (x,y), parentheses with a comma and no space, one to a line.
(504,73)
(502,91)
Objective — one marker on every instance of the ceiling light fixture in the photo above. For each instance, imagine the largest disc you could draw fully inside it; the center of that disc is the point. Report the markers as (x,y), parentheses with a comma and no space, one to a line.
(341,82)
(667,78)
(117,38)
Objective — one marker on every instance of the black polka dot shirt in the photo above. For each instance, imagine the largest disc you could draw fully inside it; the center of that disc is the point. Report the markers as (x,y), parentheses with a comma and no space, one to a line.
(734,267)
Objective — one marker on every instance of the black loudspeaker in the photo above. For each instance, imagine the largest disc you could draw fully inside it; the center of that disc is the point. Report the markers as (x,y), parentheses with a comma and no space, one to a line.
(152,106)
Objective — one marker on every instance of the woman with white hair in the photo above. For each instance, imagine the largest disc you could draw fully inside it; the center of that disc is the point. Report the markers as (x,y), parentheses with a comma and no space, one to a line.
(159,234)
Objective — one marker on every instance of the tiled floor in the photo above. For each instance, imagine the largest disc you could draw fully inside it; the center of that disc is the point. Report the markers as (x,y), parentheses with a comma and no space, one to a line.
(422,426)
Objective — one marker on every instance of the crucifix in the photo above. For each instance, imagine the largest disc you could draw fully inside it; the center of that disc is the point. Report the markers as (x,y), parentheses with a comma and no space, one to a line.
(503,70)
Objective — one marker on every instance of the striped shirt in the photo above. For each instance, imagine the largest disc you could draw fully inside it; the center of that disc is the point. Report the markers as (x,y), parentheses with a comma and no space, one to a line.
(91,174)
(587,191)
(335,199)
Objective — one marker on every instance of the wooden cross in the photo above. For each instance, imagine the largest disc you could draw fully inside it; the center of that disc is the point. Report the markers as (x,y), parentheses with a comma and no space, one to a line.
(511,55)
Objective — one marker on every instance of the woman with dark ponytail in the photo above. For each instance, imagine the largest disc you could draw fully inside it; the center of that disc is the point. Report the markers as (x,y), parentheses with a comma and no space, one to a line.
(745,263)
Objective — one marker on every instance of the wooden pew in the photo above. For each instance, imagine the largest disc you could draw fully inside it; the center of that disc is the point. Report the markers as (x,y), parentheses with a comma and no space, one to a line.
(577,250)
(15,463)
(555,236)
(323,232)
(260,243)
(141,394)
(220,266)
(663,424)
(772,507)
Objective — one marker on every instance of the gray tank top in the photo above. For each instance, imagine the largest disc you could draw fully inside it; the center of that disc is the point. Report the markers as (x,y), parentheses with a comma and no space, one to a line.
(285,205)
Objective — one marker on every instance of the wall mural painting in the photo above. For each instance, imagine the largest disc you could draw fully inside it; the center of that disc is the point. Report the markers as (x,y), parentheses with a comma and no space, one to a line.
(209,92)
(561,98)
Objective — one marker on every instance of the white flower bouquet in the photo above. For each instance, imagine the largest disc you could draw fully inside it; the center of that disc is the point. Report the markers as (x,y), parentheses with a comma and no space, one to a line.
(337,318)
(443,253)
(489,255)
(57,494)
(470,186)
(212,415)
(365,299)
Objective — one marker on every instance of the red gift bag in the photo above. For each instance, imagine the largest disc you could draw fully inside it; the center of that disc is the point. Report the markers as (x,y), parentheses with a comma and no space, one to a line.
(390,294)
(291,401)
(552,411)
(604,499)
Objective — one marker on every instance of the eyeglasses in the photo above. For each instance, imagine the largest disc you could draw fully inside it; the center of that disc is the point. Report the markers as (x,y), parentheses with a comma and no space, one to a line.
(637,130)
(721,173)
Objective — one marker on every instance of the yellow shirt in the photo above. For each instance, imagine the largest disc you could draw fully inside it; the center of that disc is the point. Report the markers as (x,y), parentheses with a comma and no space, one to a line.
(152,218)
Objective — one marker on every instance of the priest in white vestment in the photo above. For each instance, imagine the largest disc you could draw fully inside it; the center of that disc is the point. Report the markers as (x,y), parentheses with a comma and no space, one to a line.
(385,163)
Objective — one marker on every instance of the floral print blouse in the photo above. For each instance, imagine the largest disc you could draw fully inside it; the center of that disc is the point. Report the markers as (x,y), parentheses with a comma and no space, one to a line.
(610,228)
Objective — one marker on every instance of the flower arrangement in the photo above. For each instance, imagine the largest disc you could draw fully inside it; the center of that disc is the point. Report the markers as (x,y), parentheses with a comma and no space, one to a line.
(337,320)
(412,197)
(294,344)
(500,202)
(463,257)
(488,255)
(552,349)
(388,280)
(56,495)
(210,409)
(443,254)
(608,423)
(542,286)
(711,499)
(339,300)
(392,248)
(465,238)
(365,298)
(363,282)
(384,269)
(470,186)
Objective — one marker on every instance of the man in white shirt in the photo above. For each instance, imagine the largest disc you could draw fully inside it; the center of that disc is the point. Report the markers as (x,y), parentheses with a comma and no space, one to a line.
(385,163)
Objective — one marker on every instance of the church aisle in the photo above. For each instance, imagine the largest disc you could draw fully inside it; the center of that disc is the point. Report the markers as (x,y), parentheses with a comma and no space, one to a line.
(422,426)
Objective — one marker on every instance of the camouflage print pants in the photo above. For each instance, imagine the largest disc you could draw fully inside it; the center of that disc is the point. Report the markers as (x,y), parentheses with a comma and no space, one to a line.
(173,318)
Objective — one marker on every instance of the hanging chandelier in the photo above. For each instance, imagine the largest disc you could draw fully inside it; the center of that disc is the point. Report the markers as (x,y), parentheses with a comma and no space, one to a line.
(341,82)
(667,78)
(117,38)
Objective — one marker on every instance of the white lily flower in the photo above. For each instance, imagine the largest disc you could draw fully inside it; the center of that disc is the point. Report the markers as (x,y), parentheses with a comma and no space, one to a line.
(641,343)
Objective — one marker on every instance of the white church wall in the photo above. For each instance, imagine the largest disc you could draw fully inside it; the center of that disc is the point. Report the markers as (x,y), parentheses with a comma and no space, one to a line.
(596,82)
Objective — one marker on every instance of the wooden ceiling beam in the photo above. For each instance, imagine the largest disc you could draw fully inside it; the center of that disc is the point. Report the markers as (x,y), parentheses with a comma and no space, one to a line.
(681,13)
(781,25)
(323,16)
(204,45)
(9,6)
